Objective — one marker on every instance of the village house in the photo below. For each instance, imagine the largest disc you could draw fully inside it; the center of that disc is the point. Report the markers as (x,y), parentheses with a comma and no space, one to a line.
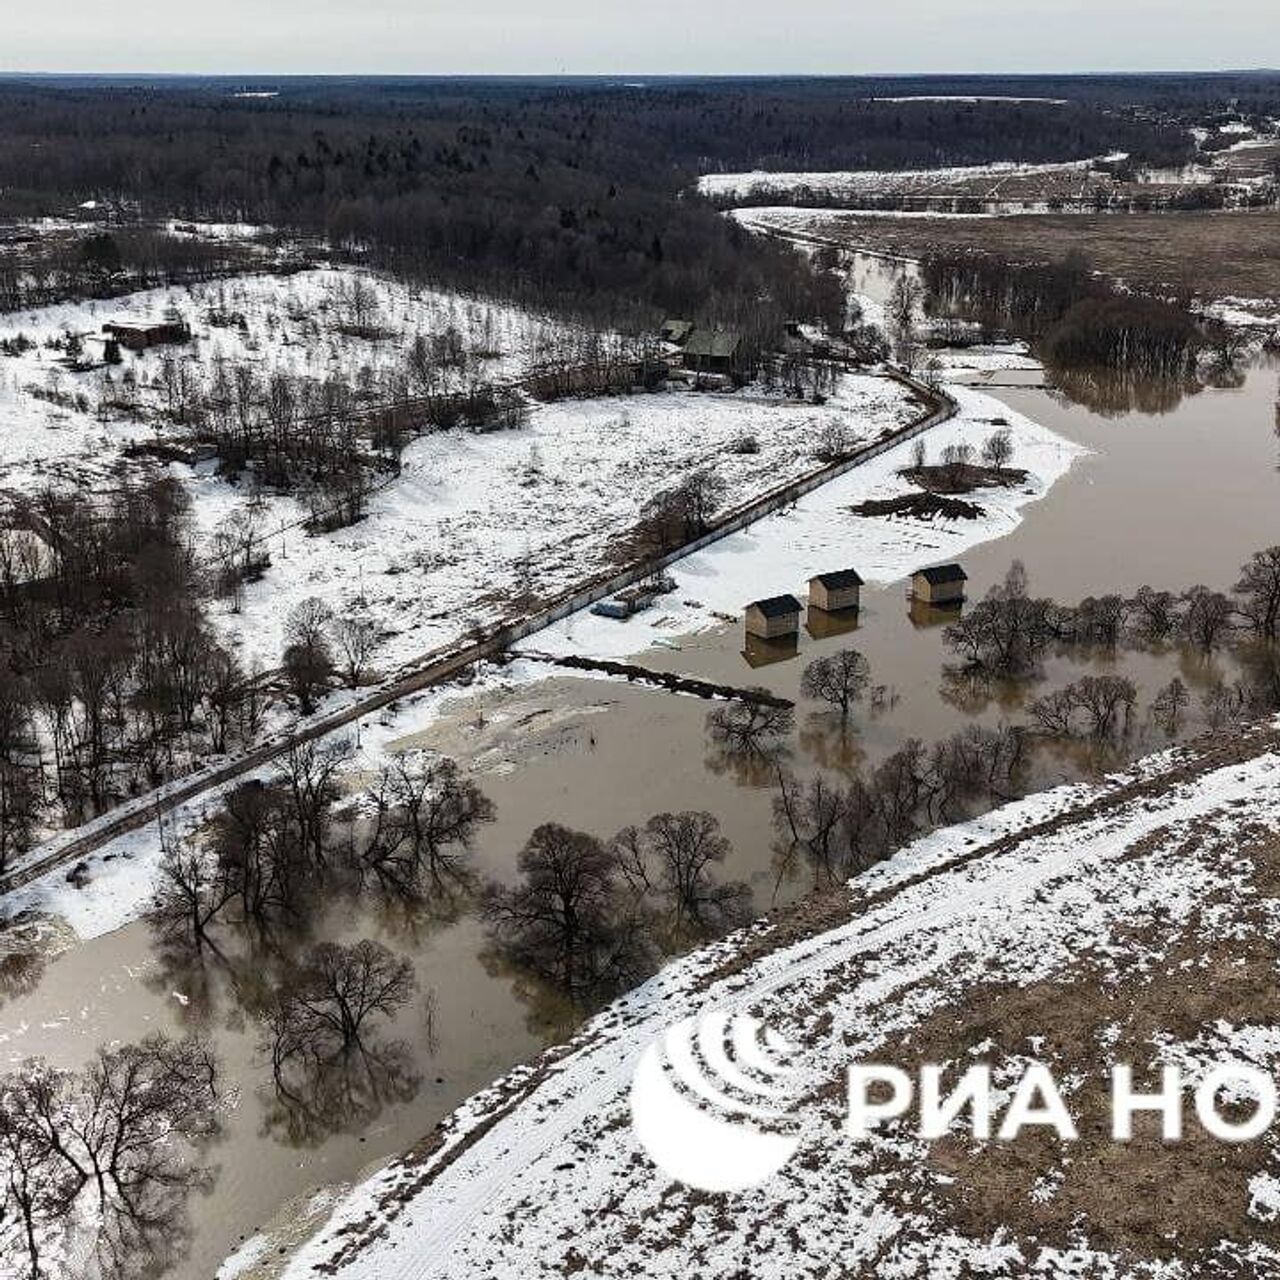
(942,584)
(138,335)
(835,591)
(712,351)
(773,618)
(676,331)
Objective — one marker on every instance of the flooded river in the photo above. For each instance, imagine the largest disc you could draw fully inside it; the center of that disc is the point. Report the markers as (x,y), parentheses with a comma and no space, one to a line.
(1169,498)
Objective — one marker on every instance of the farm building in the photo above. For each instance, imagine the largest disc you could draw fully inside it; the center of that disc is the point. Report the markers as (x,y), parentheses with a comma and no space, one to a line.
(138,335)
(772,618)
(676,331)
(942,584)
(834,591)
(712,351)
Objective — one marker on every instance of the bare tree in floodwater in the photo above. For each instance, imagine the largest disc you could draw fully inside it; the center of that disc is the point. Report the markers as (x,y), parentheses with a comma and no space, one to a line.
(839,679)
(321,1028)
(570,920)
(426,815)
(108,1154)
(672,855)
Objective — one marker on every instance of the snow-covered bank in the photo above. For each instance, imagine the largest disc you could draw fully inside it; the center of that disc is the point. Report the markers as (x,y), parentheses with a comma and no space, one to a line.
(819,534)
(778,554)
(1077,901)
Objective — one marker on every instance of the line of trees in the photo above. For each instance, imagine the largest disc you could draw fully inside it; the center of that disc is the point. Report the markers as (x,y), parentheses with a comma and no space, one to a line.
(1009,630)
(1076,319)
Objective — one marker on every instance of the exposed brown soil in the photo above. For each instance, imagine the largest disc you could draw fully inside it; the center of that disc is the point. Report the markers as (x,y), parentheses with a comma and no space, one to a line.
(1214,254)
(919,506)
(964,478)
(1146,1198)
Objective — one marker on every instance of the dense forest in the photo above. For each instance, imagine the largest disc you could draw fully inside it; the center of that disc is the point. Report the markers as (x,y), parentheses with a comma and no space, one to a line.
(1074,317)
(573,194)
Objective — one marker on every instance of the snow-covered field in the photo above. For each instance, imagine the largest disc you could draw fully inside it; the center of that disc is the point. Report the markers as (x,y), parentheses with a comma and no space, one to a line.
(294,325)
(1126,921)
(781,553)
(473,521)
(861,182)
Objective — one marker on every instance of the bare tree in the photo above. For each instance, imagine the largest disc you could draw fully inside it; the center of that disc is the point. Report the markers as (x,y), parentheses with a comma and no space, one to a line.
(357,639)
(426,817)
(190,896)
(565,921)
(331,1068)
(1169,704)
(997,451)
(1258,593)
(839,679)
(809,822)
(109,1151)
(683,847)
(1206,617)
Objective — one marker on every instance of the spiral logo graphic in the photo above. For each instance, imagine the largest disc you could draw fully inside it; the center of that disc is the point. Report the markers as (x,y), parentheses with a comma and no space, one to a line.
(708,1098)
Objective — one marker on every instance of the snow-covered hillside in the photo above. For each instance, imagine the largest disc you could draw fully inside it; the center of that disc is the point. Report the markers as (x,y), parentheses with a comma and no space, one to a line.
(1130,921)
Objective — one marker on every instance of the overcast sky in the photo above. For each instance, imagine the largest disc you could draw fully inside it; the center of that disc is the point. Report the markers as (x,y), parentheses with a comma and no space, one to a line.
(608,36)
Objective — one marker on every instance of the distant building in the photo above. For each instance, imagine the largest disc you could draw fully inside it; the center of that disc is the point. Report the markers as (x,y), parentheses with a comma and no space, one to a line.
(942,584)
(138,335)
(835,591)
(773,618)
(676,331)
(712,351)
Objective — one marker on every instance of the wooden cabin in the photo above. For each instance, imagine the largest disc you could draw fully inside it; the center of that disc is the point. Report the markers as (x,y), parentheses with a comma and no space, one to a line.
(940,585)
(138,335)
(773,618)
(835,591)
(712,351)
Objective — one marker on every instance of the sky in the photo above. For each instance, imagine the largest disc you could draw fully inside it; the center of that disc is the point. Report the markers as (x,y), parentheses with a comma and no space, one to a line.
(428,37)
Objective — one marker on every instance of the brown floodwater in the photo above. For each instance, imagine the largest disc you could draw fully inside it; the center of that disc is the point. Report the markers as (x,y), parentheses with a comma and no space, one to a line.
(1169,498)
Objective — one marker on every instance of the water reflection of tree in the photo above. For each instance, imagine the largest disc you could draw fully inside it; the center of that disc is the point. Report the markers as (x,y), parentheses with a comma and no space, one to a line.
(321,1029)
(748,738)
(831,744)
(99,1163)
(975,690)
(1112,393)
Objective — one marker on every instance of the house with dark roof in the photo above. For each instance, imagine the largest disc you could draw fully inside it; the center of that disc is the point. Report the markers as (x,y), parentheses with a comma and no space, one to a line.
(941,584)
(834,591)
(773,618)
(138,335)
(676,331)
(712,351)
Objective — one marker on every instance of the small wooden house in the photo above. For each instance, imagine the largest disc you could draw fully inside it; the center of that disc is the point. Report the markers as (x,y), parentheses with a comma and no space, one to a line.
(138,335)
(773,618)
(712,351)
(942,584)
(835,591)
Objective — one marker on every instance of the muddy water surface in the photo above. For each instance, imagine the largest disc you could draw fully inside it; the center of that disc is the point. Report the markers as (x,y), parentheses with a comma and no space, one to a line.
(1169,498)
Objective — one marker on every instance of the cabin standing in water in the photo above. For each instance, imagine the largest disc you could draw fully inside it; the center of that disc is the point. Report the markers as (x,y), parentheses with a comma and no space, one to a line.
(942,584)
(773,618)
(835,591)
